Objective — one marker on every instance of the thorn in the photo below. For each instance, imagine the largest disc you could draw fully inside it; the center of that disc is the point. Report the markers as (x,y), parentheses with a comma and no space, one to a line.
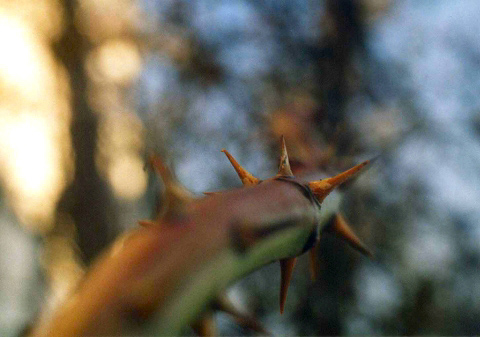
(161,169)
(247,178)
(146,223)
(284,167)
(205,326)
(312,259)
(222,303)
(342,229)
(322,188)
(177,197)
(286,266)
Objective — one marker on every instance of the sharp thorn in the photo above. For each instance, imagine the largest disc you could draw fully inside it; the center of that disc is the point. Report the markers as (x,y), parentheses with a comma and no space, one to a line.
(286,266)
(161,169)
(284,166)
(247,178)
(322,188)
(343,230)
(177,197)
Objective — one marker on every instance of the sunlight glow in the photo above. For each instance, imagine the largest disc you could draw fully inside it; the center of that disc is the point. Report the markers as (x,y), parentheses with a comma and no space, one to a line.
(63,268)
(116,61)
(30,167)
(119,154)
(35,13)
(128,179)
(21,57)
(27,139)
(34,119)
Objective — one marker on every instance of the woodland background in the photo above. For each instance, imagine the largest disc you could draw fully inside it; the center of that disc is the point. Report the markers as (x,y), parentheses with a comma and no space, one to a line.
(88,87)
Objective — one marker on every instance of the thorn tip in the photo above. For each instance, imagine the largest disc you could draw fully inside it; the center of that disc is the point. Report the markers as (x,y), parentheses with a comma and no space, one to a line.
(343,230)
(247,178)
(286,266)
(284,168)
(176,195)
(322,188)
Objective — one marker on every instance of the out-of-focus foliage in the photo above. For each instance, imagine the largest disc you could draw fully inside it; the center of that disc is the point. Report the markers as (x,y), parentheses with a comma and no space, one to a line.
(88,87)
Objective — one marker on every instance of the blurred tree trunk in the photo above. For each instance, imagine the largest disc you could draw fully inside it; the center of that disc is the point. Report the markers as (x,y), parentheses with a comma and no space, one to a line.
(344,37)
(336,50)
(88,198)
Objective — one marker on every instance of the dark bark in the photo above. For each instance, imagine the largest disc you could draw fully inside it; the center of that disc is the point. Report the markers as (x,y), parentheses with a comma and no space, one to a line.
(88,198)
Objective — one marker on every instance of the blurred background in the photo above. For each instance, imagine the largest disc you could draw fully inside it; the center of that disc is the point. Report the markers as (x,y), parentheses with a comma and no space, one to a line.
(88,87)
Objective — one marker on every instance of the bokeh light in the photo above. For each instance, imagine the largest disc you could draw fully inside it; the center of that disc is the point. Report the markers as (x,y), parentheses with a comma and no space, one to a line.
(32,169)
(34,122)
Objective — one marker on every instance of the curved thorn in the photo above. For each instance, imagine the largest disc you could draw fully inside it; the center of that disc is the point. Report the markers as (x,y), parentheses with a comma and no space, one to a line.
(343,230)
(322,188)
(286,266)
(176,195)
(284,166)
(312,259)
(247,178)
(161,169)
